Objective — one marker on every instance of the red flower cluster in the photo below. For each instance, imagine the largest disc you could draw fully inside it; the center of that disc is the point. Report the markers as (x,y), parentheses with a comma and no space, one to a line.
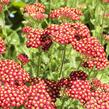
(94,51)
(90,47)
(98,100)
(11,96)
(12,73)
(41,93)
(82,31)
(91,94)
(68,33)
(4,2)
(67,12)
(37,38)
(106,1)
(23,58)
(36,11)
(75,75)
(33,37)
(51,87)
(100,86)
(39,96)
(79,90)
(46,40)
(63,33)
(2,46)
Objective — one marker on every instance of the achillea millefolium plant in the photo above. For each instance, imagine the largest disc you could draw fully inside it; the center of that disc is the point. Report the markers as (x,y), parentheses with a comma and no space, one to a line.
(54,54)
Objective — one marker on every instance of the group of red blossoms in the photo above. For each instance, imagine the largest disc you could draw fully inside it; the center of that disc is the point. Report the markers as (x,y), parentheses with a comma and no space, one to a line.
(76,34)
(2,3)
(92,94)
(36,11)
(17,89)
(14,91)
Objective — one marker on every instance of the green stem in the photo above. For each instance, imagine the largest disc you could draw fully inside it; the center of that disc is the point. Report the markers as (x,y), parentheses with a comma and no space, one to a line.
(79,65)
(39,62)
(102,26)
(62,63)
(90,73)
(63,104)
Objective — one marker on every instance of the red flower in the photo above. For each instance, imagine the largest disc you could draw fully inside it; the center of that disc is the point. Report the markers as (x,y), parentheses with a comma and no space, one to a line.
(12,73)
(27,29)
(71,13)
(6,2)
(23,58)
(1,7)
(82,31)
(2,46)
(79,90)
(36,11)
(94,52)
(78,75)
(13,96)
(52,87)
(63,33)
(106,1)
(39,97)
(33,37)
(98,100)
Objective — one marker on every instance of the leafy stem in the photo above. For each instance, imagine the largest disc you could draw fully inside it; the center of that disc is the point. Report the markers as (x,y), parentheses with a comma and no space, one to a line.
(39,62)
(62,62)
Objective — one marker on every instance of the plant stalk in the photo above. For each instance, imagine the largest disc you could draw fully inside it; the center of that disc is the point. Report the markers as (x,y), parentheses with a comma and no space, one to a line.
(62,63)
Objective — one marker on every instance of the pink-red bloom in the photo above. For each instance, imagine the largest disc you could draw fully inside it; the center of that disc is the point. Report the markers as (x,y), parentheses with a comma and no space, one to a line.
(36,11)
(106,1)
(12,73)
(4,2)
(67,12)
(2,46)
(94,52)
(13,96)
(23,58)
(33,37)
(39,97)
(62,34)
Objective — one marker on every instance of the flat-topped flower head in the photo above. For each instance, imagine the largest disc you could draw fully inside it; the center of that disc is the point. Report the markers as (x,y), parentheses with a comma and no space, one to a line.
(79,90)
(13,96)
(82,30)
(52,87)
(36,11)
(11,72)
(98,100)
(67,12)
(98,63)
(33,37)
(62,33)
(94,52)
(39,97)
